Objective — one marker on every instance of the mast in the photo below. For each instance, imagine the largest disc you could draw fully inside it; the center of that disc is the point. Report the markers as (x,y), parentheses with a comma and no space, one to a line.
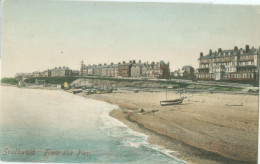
(166,93)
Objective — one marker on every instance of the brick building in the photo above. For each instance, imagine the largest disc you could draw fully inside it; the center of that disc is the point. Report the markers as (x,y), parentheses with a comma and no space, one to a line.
(232,65)
(61,72)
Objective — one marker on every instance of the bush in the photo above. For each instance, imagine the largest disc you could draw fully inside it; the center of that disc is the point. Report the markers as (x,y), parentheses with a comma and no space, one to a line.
(53,80)
(11,81)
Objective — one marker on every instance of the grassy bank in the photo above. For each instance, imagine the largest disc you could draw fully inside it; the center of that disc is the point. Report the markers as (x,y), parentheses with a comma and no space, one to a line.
(135,83)
(11,81)
(52,80)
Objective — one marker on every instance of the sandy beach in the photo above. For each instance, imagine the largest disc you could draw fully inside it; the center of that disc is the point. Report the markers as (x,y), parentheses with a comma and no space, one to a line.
(206,128)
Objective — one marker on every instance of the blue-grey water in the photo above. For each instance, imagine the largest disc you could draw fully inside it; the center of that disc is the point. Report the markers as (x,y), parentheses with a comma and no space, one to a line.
(55,126)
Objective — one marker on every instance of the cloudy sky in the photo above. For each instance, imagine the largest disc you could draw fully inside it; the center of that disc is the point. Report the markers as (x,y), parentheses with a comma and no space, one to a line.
(37,35)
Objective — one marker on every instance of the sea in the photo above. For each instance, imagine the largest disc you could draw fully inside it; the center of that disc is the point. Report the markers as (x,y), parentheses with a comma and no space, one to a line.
(39,125)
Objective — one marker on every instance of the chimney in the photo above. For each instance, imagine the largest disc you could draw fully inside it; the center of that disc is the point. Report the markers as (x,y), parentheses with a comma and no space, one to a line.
(210,52)
(112,63)
(235,48)
(201,54)
(123,62)
(247,48)
(130,61)
(139,61)
(219,50)
(133,61)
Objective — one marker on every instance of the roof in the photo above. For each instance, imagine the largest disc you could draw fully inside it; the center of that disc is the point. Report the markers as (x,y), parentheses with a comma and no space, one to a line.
(139,64)
(125,64)
(228,53)
(186,66)
(60,68)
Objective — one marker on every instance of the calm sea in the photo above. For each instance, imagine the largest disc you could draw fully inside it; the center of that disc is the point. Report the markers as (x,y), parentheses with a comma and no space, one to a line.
(55,126)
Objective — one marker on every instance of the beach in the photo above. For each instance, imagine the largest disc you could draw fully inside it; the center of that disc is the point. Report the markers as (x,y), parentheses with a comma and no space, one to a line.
(206,128)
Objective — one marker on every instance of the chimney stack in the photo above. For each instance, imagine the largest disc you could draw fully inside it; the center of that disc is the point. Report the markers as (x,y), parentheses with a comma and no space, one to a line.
(247,48)
(139,61)
(210,52)
(201,54)
(219,50)
(235,48)
(133,61)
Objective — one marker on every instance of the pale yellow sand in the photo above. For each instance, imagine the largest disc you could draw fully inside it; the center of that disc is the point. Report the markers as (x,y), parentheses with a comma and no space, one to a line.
(225,124)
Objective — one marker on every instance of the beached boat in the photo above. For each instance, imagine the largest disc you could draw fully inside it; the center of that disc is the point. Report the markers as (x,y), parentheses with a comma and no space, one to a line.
(90,91)
(171,102)
(77,91)
(104,91)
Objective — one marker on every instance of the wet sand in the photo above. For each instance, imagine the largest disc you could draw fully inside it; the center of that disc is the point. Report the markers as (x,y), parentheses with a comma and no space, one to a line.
(206,128)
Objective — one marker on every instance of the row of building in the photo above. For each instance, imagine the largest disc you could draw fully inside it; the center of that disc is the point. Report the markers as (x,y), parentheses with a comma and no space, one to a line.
(230,65)
(222,65)
(132,69)
(55,72)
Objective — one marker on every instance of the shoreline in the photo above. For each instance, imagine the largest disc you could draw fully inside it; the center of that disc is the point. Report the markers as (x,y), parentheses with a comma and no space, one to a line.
(181,150)
(129,113)
(187,152)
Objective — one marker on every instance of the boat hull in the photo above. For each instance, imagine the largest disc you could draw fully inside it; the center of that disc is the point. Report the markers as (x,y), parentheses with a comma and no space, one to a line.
(78,91)
(171,102)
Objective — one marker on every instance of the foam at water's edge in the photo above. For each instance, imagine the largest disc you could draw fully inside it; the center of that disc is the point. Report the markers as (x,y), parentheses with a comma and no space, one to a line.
(141,139)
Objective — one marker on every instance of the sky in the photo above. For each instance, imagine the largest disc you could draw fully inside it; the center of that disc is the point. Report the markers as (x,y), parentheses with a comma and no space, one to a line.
(39,35)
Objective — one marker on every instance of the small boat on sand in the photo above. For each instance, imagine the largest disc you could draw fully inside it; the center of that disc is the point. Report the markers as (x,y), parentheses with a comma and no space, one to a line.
(91,91)
(171,102)
(77,91)
(104,91)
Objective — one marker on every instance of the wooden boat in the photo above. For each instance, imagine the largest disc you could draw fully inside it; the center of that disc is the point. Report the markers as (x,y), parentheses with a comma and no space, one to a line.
(171,102)
(104,91)
(77,91)
(90,91)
